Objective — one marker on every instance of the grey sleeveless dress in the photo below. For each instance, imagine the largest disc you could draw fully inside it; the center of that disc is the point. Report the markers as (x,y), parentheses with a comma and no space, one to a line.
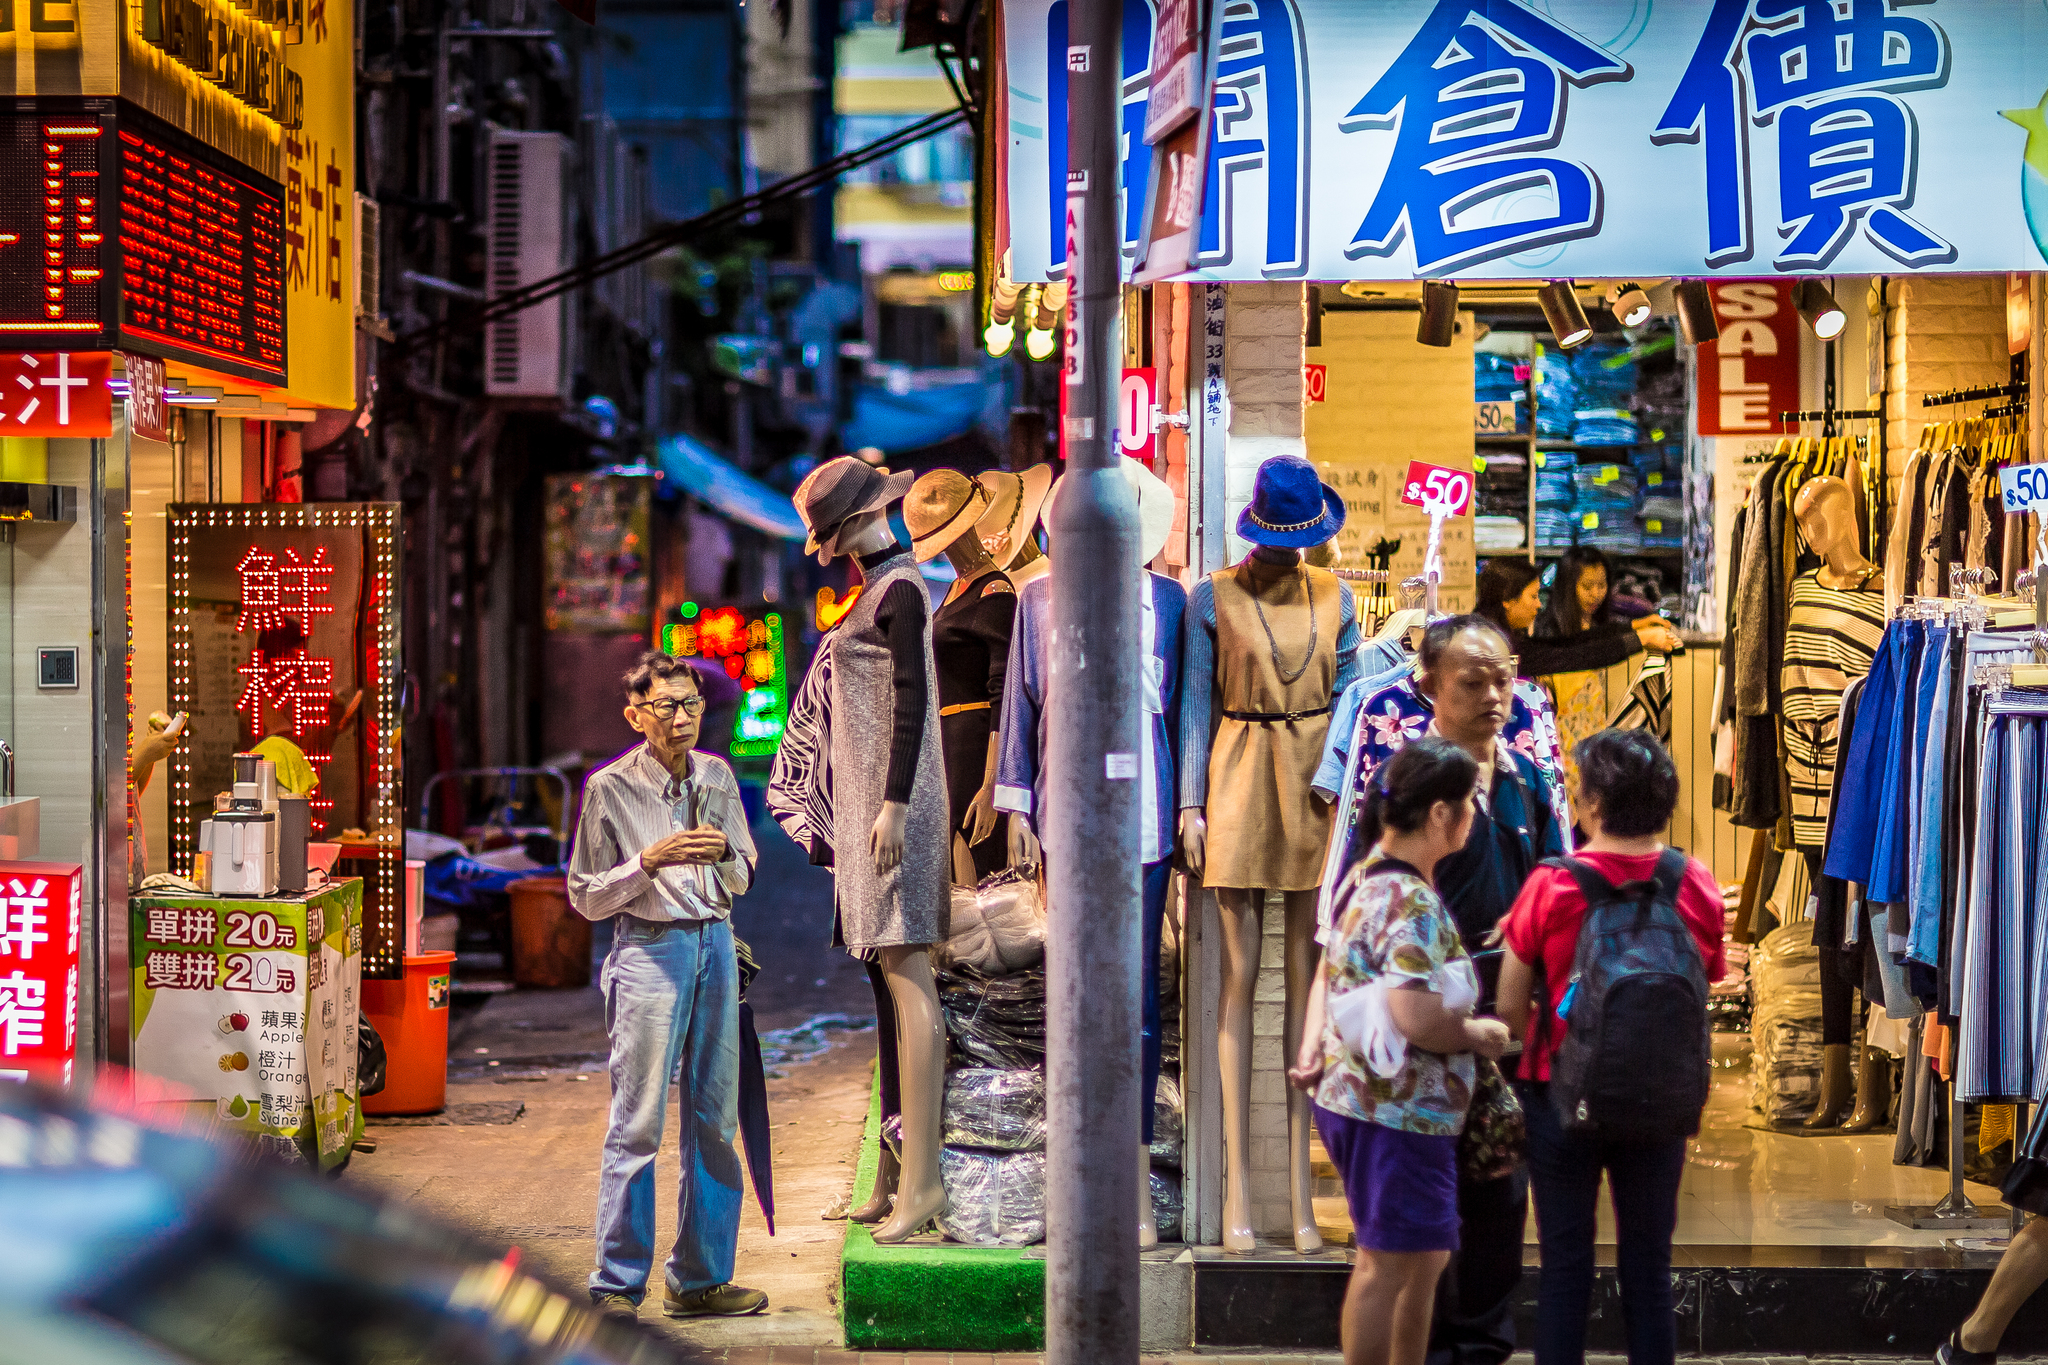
(907,904)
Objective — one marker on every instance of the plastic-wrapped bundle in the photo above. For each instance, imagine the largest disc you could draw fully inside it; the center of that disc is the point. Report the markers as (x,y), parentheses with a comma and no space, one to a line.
(1555,529)
(1166,1124)
(993,1199)
(1166,1206)
(1786,1024)
(1000,1111)
(1662,505)
(1556,488)
(995,1021)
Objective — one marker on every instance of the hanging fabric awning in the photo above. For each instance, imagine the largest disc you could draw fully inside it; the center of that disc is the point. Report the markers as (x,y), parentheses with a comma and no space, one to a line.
(691,467)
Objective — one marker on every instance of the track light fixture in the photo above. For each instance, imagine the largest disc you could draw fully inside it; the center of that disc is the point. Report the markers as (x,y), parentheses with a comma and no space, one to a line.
(1439,313)
(1560,302)
(1630,305)
(1819,308)
(1696,320)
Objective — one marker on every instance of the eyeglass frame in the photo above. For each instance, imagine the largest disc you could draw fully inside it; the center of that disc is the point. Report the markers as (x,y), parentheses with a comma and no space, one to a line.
(692,705)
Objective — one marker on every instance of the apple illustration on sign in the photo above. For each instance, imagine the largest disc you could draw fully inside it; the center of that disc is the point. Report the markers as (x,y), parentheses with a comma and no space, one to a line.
(233,1023)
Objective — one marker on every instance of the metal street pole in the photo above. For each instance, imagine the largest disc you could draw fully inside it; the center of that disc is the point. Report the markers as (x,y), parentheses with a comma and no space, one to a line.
(1092,760)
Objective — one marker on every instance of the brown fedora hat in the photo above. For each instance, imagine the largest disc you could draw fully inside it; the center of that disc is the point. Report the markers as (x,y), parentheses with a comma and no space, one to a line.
(942,506)
(839,489)
(1015,501)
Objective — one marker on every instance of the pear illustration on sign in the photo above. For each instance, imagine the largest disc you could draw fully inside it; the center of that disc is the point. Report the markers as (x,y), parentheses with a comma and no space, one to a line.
(2034,169)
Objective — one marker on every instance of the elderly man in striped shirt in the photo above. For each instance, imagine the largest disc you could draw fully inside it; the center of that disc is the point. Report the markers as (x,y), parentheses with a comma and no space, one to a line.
(663,847)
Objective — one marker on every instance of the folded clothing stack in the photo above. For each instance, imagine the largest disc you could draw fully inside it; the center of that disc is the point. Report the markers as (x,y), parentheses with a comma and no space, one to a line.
(1501,502)
(1556,490)
(1503,466)
(1604,373)
(1604,427)
(1500,379)
(1557,396)
(1555,528)
(1492,534)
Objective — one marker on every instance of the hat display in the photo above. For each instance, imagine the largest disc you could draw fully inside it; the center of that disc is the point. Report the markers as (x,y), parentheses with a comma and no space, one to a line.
(942,506)
(1155,506)
(1015,501)
(1291,508)
(839,489)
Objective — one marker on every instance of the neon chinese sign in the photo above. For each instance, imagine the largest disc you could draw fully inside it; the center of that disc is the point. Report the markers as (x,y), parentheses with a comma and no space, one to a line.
(284,623)
(749,649)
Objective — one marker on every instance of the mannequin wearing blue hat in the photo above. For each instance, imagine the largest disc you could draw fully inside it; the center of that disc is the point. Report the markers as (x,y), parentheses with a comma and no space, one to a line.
(1269,641)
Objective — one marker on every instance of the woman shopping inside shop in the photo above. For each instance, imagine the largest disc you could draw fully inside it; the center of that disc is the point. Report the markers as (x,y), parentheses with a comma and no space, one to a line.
(1581,627)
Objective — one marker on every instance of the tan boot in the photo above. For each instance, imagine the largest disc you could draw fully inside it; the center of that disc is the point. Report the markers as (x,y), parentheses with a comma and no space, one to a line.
(1873,1092)
(1835,1090)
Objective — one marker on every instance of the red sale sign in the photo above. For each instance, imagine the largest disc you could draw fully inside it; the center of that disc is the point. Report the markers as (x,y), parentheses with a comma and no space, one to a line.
(1137,401)
(39,910)
(56,393)
(1749,374)
(1437,490)
(1315,382)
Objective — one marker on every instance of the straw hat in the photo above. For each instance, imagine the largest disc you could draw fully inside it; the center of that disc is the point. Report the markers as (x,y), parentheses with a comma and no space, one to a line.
(1015,500)
(943,506)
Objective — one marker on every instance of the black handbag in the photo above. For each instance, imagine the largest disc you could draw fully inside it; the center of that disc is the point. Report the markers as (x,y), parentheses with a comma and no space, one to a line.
(371,1059)
(1496,1133)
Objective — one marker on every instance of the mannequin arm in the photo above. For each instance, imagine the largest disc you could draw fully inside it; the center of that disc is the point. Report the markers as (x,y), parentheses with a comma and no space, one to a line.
(885,839)
(981,815)
(1025,850)
(1194,838)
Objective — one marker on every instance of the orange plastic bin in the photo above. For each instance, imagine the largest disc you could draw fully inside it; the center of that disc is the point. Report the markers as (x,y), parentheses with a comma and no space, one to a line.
(411,1016)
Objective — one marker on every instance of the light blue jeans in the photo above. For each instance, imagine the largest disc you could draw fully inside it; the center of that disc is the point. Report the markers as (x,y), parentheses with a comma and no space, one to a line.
(672,1008)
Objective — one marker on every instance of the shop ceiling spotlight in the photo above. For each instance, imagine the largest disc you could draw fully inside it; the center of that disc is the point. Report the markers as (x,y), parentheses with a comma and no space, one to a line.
(1696,320)
(1631,306)
(1819,308)
(1560,302)
(1439,313)
(1038,343)
(999,337)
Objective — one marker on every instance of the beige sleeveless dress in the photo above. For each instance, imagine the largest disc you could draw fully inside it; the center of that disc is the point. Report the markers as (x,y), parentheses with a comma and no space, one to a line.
(1266,829)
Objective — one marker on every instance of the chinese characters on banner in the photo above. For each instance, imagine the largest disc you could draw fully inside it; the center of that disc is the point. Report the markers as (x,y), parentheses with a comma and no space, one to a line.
(252,1004)
(39,910)
(314,201)
(287,687)
(1749,374)
(1573,138)
(60,393)
(147,415)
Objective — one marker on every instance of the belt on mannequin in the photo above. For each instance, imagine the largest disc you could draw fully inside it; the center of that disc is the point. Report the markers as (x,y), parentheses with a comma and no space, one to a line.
(964,706)
(1322,710)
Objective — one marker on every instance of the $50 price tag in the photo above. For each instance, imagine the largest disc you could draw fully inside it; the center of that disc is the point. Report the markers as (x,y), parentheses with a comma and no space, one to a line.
(2022,486)
(1448,492)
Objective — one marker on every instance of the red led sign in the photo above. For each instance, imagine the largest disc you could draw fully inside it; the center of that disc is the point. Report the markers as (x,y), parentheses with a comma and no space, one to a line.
(52,266)
(202,259)
(119,232)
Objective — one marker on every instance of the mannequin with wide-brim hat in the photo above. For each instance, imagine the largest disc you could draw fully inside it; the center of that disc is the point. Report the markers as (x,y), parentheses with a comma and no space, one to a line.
(1270,641)
(1028,698)
(1008,530)
(888,784)
(971,649)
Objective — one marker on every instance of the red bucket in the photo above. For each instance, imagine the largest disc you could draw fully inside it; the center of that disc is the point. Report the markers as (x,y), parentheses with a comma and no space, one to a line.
(411,1016)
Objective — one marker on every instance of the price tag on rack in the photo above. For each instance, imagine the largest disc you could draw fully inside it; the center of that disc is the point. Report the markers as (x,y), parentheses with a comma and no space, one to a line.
(2022,486)
(1436,490)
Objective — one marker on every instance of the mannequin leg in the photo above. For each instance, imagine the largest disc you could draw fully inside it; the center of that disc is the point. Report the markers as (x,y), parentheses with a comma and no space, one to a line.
(887,1050)
(1302,955)
(1242,919)
(920,1194)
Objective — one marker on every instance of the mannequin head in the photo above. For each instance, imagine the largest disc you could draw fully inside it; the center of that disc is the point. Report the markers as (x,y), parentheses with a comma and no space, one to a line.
(843,496)
(1008,530)
(940,513)
(1418,804)
(865,533)
(1510,593)
(1826,510)
(665,706)
(1468,675)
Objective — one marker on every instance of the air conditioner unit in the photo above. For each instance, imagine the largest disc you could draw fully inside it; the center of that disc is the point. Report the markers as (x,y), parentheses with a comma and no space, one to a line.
(526,180)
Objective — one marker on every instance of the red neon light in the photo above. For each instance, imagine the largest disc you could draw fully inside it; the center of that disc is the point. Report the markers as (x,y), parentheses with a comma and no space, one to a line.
(274,592)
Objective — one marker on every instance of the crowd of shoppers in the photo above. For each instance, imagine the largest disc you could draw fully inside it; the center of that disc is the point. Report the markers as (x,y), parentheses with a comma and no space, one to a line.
(1399,1025)
(1580,626)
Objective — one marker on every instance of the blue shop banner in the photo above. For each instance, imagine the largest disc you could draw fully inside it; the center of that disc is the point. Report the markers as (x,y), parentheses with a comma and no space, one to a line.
(1391,139)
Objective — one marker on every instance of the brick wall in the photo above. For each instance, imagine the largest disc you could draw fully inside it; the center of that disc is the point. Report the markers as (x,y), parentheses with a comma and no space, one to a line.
(1942,332)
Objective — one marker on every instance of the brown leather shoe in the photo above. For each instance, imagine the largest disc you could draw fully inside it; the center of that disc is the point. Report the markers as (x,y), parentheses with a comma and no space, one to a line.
(618,1306)
(719,1301)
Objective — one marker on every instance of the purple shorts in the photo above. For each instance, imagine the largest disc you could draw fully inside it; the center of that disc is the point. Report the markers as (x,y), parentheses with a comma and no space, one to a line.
(1402,1187)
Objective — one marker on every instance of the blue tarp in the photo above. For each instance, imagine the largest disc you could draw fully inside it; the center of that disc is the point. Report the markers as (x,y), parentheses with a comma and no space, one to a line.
(910,421)
(693,468)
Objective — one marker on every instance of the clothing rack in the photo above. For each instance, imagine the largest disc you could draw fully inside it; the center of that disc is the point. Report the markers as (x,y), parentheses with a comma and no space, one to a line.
(2016,391)
(1364,575)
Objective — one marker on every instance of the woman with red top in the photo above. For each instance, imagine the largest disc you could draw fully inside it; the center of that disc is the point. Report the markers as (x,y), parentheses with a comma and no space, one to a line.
(1628,788)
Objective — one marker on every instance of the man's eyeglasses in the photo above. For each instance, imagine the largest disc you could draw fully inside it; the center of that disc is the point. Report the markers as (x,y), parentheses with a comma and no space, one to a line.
(666,708)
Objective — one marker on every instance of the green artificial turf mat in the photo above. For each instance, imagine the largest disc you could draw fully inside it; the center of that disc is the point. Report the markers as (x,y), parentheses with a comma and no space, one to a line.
(933,1296)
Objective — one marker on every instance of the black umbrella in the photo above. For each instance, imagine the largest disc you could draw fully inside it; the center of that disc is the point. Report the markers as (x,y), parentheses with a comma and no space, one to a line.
(754,1095)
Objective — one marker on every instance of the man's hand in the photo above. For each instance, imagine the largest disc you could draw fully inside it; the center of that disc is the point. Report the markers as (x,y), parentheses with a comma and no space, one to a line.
(704,844)
(885,839)
(1194,838)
